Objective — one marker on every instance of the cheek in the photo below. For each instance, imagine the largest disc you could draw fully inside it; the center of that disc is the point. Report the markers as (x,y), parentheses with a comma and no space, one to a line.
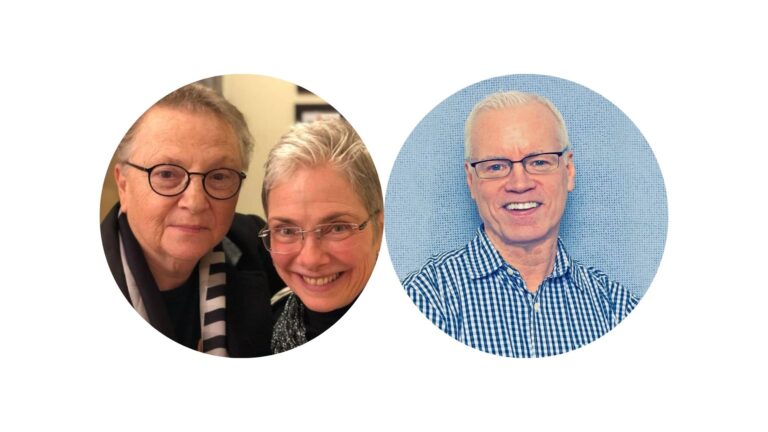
(485,197)
(223,213)
(281,263)
(350,259)
(150,213)
(361,264)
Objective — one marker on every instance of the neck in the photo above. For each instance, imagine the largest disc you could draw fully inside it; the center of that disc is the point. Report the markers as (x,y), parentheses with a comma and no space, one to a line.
(318,322)
(534,260)
(170,275)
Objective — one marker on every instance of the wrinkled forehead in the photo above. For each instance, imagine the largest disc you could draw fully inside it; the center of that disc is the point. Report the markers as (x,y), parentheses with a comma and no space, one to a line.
(165,129)
(318,189)
(531,126)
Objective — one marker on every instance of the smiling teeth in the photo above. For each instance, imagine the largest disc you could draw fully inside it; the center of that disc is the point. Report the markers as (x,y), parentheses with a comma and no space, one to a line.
(521,206)
(322,280)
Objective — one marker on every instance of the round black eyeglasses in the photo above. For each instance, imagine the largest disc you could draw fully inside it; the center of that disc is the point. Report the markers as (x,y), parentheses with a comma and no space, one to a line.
(170,180)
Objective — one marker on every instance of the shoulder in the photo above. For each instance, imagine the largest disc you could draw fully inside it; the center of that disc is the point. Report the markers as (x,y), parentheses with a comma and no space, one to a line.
(436,266)
(616,294)
(109,236)
(278,301)
(249,316)
(245,226)
(242,240)
(110,240)
(246,252)
(596,276)
(441,280)
(591,277)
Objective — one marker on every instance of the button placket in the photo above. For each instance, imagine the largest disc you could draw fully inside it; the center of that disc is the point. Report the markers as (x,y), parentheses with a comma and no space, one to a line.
(518,284)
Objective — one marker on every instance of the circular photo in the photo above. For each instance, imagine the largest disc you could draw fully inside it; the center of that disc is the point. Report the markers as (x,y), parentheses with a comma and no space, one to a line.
(241,216)
(526,216)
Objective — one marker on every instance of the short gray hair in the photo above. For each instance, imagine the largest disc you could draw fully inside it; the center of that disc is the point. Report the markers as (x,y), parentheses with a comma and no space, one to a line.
(333,142)
(511,99)
(197,98)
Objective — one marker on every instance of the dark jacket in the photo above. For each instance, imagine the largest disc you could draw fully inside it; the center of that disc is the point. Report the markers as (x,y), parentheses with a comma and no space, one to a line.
(251,281)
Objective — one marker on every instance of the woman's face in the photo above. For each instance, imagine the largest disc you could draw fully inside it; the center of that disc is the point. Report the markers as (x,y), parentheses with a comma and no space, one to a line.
(325,277)
(175,232)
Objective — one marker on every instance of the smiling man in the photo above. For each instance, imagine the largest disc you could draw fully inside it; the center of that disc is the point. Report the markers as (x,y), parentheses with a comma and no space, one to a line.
(514,290)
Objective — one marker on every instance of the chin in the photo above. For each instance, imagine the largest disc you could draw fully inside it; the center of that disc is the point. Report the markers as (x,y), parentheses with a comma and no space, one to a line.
(188,253)
(320,304)
(325,290)
(526,236)
(323,300)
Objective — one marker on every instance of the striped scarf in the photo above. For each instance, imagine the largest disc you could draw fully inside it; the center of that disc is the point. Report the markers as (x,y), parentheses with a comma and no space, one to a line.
(146,299)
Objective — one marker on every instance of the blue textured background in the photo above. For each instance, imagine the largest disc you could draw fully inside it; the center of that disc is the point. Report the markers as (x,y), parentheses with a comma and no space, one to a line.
(615,220)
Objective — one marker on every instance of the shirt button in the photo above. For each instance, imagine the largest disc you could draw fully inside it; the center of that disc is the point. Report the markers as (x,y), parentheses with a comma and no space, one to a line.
(536,306)
(510,272)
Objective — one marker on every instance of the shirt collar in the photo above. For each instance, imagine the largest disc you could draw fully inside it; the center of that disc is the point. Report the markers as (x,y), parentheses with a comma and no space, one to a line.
(562,260)
(486,259)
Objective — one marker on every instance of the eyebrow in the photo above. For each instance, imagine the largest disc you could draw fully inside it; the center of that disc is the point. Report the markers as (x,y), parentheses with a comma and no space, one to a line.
(492,157)
(325,219)
(220,162)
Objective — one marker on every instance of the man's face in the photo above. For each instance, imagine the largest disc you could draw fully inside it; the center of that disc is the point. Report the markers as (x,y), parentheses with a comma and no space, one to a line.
(521,209)
(182,228)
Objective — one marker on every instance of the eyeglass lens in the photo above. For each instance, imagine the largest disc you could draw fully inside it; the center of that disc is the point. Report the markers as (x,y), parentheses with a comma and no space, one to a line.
(534,164)
(170,180)
(334,237)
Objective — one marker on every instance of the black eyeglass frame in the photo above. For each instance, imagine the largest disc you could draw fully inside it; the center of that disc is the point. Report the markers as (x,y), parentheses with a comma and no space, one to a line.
(149,170)
(521,162)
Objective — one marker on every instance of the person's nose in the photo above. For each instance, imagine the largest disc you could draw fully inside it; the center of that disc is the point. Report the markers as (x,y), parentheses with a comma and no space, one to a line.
(518,180)
(194,198)
(312,254)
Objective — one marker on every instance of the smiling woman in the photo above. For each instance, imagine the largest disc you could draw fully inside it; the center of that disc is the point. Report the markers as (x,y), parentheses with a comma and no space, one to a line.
(324,208)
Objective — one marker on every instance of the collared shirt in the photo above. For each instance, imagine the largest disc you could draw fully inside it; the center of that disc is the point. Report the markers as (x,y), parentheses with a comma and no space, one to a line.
(477,298)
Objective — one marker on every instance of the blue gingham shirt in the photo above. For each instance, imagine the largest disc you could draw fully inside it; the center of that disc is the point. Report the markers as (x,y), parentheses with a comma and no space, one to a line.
(476,297)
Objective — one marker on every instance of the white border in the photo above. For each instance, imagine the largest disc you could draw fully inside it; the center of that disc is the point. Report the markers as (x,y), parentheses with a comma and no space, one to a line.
(691,78)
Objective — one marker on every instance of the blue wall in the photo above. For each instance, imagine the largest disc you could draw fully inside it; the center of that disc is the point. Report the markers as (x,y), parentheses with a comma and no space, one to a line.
(615,220)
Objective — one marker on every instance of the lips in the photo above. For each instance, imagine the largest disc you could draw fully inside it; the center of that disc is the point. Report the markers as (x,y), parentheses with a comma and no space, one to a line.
(522,206)
(190,228)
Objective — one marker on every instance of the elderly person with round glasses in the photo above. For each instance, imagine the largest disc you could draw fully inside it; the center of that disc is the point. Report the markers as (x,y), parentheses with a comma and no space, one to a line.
(182,258)
(323,201)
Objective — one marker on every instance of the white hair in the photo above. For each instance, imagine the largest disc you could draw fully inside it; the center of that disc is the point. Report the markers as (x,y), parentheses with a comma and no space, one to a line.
(333,142)
(511,99)
(197,98)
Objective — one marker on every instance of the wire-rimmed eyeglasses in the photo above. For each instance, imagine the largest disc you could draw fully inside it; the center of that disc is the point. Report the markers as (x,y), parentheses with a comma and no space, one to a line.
(286,239)
(541,163)
(170,180)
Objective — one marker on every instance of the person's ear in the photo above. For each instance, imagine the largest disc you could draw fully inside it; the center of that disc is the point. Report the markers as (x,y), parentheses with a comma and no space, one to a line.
(470,178)
(380,224)
(122,186)
(571,169)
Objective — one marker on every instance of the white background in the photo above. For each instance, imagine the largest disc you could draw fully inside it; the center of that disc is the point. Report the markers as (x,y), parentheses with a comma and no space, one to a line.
(76,75)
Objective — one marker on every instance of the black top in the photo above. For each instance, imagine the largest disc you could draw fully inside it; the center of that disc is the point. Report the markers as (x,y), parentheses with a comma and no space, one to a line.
(318,322)
(183,304)
(315,323)
(251,281)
